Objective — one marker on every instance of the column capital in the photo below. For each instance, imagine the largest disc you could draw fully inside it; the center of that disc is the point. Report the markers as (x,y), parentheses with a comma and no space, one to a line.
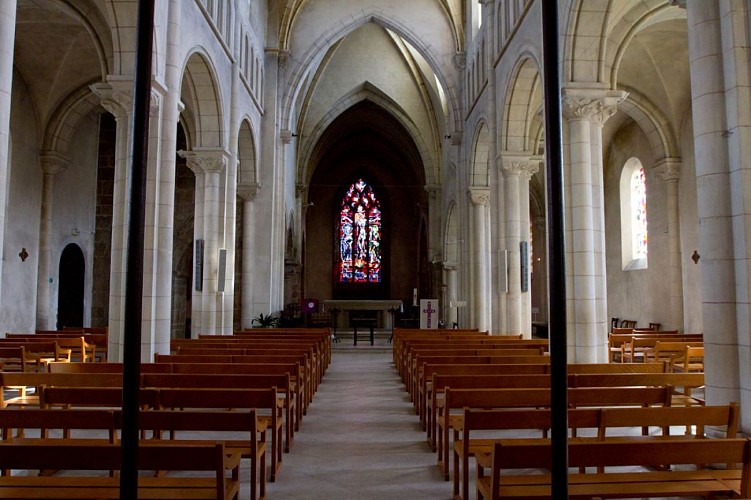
(116,97)
(519,163)
(593,105)
(450,266)
(668,169)
(301,190)
(53,162)
(490,2)
(206,160)
(479,196)
(248,192)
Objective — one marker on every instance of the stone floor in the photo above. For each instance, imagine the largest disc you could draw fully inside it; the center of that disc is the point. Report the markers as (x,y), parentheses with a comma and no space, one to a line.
(361,438)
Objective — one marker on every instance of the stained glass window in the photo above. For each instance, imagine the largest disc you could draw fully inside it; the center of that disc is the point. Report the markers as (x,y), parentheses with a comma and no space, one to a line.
(639,213)
(360,235)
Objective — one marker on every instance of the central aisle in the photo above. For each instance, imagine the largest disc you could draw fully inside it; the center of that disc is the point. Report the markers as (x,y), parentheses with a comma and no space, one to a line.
(360,439)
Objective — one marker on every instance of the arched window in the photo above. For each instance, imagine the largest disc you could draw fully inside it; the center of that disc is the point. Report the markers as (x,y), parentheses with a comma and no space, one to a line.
(360,235)
(633,190)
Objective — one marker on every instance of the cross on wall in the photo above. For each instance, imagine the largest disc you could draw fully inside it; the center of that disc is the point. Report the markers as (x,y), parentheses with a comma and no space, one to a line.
(429,311)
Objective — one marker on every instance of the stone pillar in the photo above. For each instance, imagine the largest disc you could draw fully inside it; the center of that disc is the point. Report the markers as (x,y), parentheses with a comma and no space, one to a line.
(517,170)
(117,99)
(52,163)
(538,264)
(7,39)
(715,195)
(669,170)
(586,111)
(480,198)
(157,312)
(248,194)
(208,165)
(162,171)
(452,316)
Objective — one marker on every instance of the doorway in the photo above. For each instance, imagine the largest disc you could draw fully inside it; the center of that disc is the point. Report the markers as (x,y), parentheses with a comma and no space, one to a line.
(70,287)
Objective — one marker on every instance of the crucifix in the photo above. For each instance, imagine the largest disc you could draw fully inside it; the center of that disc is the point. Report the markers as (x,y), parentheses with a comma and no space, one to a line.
(429,313)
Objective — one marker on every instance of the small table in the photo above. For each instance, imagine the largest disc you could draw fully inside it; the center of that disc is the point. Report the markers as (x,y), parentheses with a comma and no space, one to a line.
(363,322)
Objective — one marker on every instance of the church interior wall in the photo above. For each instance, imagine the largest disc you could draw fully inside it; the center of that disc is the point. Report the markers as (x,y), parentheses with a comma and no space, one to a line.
(18,307)
(74,217)
(693,319)
(626,288)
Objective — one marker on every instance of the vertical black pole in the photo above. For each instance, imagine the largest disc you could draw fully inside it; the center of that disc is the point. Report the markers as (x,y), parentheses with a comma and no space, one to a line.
(134,276)
(556,255)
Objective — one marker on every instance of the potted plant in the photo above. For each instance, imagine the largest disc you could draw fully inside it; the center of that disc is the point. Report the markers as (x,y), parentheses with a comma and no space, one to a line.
(265,320)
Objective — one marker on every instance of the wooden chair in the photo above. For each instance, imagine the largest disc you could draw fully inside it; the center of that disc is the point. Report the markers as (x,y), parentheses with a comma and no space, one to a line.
(692,360)
(628,323)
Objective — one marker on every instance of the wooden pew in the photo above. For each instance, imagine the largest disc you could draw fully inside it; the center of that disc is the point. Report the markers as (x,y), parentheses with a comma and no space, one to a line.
(96,397)
(80,349)
(425,387)
(305,373)
(507,455)
(534,398)
(640,344)
(536,422)
(420,361)
(204,458)
(22,381)
(181,426)
(607,422)
(234,381)
(264,400)
(38,352)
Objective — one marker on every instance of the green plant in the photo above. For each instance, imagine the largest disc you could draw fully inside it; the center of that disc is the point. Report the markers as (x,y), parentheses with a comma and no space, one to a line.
(265,320)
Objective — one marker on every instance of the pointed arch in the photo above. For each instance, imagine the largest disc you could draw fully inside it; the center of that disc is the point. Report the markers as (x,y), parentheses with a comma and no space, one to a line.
(247,171)
(202,98)
(368,92)
(522,105)
(64,120)
(481,157)
(439,55)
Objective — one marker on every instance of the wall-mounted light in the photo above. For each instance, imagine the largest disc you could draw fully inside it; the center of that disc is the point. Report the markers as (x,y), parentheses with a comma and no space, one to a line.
(695,257)
(23,254)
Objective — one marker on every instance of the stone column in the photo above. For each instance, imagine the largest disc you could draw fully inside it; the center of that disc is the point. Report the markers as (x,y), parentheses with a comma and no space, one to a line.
(452,316)
(669,170)
(480,198)
(715,195)
(52,163)
(117,99)
(539,267)
(248,194)
(208,165)
(7,39)
(586,111)
(517,170)
(157,312)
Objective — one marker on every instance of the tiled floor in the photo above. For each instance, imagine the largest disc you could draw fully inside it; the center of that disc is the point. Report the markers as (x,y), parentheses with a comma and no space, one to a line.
(361,438)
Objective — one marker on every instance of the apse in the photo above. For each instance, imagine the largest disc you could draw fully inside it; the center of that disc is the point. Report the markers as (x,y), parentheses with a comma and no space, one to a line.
(367,212)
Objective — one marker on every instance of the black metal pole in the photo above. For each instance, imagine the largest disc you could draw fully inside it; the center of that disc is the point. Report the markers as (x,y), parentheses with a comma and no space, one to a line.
(556,246)
(134,276)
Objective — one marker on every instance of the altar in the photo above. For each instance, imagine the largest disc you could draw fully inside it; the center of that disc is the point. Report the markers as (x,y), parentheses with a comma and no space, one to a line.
(344,311)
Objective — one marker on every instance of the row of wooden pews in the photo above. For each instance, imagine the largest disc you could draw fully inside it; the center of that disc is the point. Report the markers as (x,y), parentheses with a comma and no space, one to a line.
(268,376)
(475,405)
(682,351)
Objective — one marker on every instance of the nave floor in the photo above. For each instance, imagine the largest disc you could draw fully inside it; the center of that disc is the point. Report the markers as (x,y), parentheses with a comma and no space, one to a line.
(360,439)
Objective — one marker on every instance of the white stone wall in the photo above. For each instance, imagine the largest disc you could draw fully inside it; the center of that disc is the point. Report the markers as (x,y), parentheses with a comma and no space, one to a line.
(18,307)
